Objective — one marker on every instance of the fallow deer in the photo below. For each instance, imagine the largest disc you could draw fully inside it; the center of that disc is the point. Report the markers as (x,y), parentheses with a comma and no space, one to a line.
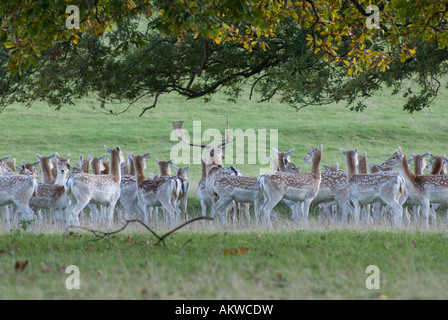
(97,189)
(18,189)
(333,193)
(370,188)
(423,189)
(84,164)
(162,191)
(52,197)
(298,187)
(217,182)
(47,167)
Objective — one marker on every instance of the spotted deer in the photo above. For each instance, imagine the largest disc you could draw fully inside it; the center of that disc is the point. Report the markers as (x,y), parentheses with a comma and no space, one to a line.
(18,189)
(333,193)
(222,185)
(423,189)
(298,187)
(52,197)
(370,188)
(437,166)
(154,192)
(97,189)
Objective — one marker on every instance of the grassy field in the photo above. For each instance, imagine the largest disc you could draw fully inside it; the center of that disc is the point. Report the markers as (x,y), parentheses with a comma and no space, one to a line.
(292,264)
(284,263)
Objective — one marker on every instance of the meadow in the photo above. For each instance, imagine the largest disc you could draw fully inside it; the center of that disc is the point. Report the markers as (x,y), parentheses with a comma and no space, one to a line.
(208,261)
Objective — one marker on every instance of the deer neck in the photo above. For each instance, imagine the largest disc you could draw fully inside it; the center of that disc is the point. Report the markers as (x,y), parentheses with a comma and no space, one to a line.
(204,170)
(315,168)
(139,171)
(85,166)
(418,169)
(437,167)
(60,178)
(351,167)
(280,162)
(363,166)
(47,174)
(165,171)
(404,171)
(115,169)
(96,168)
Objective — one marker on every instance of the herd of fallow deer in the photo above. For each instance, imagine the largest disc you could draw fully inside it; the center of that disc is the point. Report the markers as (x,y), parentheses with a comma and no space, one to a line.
(354,196)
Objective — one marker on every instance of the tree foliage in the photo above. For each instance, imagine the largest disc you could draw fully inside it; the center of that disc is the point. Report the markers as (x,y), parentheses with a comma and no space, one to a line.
(305,52)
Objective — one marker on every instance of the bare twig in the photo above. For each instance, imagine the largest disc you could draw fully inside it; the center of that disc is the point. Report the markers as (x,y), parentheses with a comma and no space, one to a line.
(102,235)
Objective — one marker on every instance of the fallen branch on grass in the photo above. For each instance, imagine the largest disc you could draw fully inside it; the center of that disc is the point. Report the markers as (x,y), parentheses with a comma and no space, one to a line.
(103,235)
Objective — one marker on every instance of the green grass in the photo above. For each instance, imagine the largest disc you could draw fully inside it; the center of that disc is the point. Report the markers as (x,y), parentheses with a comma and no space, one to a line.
(315,263)
(293,264)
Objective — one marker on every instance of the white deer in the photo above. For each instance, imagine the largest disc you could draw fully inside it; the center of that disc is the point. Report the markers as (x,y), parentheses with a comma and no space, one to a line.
(97,189)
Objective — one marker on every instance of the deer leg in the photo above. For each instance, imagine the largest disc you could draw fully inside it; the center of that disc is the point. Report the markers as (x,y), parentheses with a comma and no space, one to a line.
(357,206)
(415,213)
(425,213)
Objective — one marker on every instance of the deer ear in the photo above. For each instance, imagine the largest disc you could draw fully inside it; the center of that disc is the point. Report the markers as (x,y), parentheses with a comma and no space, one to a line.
(343,151)
(52,155)
(321,147)
(275,151)
(410,161)
(103,157)
(175,168)
(107,149)
(145,156)
(69,155)
(356,150)
(411,154)
(290,152)
(157,161)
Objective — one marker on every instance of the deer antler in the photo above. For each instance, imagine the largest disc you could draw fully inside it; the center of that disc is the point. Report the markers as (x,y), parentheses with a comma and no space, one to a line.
(177,125)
